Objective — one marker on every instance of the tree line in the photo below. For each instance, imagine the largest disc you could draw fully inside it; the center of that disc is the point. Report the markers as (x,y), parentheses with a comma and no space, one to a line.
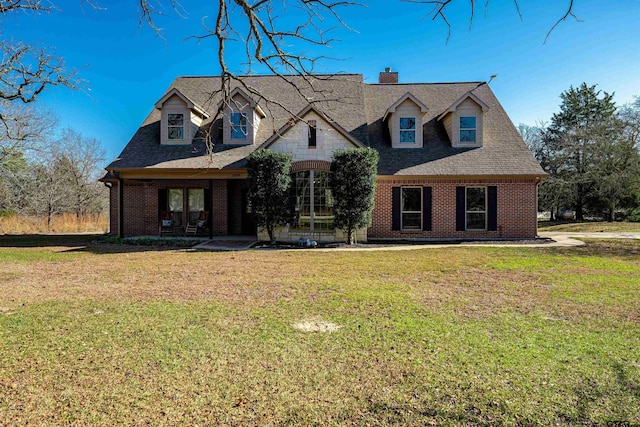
(45,173)
(591,151)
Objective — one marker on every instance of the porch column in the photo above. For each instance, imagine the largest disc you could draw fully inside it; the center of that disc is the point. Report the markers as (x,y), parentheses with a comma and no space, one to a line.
(219,210)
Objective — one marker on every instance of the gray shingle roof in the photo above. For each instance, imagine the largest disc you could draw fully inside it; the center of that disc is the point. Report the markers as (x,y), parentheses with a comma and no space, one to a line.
(358,108)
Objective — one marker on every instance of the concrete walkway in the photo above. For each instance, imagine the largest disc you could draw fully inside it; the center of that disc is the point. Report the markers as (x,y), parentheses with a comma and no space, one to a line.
(560,239)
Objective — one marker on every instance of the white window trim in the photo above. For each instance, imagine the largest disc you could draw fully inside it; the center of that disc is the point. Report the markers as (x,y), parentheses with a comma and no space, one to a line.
(402,211)
(460,129)
(245,132)
(169,126)
(485,212)
(414,130)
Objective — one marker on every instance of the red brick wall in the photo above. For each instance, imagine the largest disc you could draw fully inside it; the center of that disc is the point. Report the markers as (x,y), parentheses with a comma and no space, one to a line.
(113,209)
(219,197)
(517,210)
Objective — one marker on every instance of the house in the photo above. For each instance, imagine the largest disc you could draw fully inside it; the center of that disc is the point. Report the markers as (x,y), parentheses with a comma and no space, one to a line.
(452,165)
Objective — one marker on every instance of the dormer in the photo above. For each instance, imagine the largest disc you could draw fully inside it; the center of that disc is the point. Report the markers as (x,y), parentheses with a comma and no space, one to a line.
(180,118)
(405,119)
(241,119)
(464,121)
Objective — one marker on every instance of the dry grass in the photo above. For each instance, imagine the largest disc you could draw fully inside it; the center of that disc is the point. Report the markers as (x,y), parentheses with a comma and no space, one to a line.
(589,227)
(65,223)
(95,334)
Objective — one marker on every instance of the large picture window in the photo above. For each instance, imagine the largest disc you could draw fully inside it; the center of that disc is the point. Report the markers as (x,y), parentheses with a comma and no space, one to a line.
(476,208)
(175,128)
(311,201)
(411,208)
(238,125)
(468,129)
(407,130)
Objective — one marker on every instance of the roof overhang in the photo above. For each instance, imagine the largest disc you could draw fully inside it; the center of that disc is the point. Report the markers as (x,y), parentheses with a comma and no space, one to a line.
(460,100)
(300,117)
(403,98)
(190,104)
(250,101)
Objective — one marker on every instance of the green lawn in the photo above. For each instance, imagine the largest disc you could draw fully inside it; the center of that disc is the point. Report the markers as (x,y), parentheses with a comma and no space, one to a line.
(589,227)
(96,334)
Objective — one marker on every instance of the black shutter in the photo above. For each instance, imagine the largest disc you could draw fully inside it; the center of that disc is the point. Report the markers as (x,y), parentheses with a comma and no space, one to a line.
(426,208)
(492,208)
(162,200)
(460,209)
(395,202)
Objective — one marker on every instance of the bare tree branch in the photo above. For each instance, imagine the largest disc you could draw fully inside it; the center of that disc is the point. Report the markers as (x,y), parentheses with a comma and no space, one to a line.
(22,128)
(439,11)
(568,13)
(26,5)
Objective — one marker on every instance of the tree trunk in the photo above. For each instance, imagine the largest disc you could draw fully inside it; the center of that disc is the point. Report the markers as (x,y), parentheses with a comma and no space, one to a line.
(612,212)
(349,236)
(272,240)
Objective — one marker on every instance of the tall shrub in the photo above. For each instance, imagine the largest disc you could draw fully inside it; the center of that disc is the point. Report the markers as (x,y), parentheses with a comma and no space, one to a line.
(353,187)
(269,181)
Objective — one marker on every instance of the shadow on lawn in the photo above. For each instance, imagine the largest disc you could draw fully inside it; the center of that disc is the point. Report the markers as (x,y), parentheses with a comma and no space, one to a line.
(620,248)
(92,243)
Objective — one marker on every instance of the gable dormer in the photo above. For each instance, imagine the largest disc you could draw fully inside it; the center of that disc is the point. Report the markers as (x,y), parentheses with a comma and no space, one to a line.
(180,118)
(405,119)
(241,119)
(464,121)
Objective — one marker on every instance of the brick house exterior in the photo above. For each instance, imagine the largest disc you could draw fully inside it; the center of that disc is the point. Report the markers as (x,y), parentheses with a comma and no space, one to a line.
(452,165)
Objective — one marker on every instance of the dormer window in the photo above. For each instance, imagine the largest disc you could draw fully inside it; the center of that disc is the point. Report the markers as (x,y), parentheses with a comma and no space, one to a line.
(405,119)
(180,118)
(238,126)
(175,128)
(464,121)
(468,129)
(407,130)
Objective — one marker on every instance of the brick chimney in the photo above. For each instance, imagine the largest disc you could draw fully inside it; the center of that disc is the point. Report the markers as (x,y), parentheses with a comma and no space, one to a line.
(388,76)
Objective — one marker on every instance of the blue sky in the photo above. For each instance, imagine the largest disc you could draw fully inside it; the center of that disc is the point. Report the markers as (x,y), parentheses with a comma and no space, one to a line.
(127,68)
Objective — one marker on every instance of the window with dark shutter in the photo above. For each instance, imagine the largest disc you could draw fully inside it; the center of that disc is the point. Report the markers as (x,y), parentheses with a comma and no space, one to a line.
(460,209)
(492,208)
(426,209)
(395,208)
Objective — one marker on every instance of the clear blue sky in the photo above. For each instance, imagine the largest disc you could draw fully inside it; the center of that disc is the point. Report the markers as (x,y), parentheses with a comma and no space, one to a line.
(127,68)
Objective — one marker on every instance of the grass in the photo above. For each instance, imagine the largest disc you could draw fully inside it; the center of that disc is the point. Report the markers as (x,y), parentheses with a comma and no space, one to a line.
(589,227)
(64,223)
(104,334)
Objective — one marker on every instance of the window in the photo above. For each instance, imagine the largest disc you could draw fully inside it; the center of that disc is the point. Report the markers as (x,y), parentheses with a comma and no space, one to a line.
(411,208)
(476,208)
(468,129)
(311,201)
(238,125)
(195,202)
(175,204)
(407,130)
(175,128)
(312,134)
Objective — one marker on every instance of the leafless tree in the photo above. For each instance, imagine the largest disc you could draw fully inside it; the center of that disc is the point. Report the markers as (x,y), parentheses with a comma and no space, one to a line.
(26,69)
(440,9)
(81,160)
(277,45)
(23,128)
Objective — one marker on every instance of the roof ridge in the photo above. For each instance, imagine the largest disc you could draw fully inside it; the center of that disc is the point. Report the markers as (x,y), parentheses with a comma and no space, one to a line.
(425,83)
(272,75)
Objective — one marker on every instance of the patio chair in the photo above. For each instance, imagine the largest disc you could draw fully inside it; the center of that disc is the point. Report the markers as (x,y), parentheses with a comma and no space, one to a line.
(198,225)
(166,223)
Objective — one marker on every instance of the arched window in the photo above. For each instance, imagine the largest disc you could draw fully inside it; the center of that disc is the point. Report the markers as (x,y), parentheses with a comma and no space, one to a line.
(312,204)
